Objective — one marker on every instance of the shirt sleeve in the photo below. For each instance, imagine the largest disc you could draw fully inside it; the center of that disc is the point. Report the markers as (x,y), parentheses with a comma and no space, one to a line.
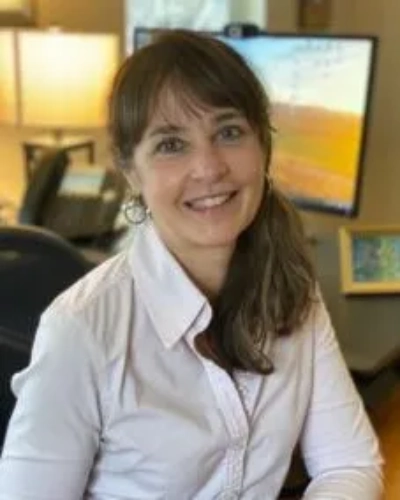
(339,446)
(53,434)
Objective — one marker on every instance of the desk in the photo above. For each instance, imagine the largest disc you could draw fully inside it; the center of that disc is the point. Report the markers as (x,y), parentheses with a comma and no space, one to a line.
(37,144)
(367,327)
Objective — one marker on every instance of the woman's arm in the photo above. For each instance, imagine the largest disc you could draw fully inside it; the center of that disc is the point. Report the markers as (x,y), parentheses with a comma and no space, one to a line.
(339,446)
(54,431)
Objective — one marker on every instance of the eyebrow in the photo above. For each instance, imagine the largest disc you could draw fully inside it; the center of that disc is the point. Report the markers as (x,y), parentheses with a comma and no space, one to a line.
(174,129)
(227,115)
(166,129)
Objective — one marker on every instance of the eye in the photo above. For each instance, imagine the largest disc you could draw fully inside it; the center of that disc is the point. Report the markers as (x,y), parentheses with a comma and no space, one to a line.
(169,146)
(230,133)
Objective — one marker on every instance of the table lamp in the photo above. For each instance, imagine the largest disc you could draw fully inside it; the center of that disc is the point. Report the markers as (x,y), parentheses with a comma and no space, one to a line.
(63,80)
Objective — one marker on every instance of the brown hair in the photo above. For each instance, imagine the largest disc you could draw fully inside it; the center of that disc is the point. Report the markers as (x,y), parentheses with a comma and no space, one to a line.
(270,281)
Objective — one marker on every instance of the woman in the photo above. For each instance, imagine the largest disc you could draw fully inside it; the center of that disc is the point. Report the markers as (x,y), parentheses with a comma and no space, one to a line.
(189,366)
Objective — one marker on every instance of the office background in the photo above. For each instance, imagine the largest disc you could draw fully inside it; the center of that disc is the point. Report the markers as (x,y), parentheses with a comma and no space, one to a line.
(380,202)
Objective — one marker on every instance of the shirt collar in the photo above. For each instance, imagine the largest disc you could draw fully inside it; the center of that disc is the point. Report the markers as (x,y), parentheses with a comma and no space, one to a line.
(172,300)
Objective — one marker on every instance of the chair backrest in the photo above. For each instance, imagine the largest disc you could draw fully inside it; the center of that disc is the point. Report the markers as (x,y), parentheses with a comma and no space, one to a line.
(15,352)
(43,186)
(35,266)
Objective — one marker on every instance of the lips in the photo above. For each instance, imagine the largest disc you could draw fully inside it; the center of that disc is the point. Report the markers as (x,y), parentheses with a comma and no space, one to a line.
(210,201)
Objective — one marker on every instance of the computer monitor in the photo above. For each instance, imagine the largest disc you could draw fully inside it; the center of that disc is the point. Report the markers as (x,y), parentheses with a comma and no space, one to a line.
(320,90)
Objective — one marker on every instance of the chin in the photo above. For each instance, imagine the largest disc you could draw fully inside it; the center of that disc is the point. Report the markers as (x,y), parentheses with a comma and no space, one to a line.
(216,238)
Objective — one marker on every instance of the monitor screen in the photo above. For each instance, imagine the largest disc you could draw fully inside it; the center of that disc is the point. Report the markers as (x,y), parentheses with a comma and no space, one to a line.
(320,88)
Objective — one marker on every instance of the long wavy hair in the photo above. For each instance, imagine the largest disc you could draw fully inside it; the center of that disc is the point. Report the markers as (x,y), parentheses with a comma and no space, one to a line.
(270,284)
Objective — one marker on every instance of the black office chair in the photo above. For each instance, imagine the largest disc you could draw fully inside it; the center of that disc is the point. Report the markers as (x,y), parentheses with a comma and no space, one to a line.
(35,266)
(43,186)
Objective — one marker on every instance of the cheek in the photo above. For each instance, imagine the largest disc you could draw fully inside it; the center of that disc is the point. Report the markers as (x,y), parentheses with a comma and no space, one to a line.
(250,168)
(160,186)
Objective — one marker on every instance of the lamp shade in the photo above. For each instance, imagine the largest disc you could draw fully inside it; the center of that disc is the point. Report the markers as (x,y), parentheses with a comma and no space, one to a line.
(65,78)
(13,5)
(8,86)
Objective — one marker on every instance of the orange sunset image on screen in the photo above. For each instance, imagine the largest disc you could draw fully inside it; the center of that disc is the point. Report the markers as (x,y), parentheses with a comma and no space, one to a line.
(319,88)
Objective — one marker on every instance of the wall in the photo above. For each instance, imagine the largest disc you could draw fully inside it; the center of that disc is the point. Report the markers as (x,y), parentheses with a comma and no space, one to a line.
(380,199)
(249,11)
(72,15)
(78,15)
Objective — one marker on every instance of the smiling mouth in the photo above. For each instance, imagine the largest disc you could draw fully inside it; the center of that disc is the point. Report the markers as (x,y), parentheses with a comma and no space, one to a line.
(209,202)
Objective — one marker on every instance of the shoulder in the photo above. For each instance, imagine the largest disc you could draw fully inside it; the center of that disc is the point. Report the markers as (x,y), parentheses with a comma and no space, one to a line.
(317,335)
(100,304)
(316,332)
(102,281)
(321,325)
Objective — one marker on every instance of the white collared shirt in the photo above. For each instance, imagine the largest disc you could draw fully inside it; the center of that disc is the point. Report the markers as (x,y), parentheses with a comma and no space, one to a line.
(117,404)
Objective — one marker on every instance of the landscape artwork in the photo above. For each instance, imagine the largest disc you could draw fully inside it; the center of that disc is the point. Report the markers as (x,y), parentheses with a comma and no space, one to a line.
(376,258)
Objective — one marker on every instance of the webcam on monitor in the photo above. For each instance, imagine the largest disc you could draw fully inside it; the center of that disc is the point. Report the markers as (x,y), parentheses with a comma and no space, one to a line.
(241,30)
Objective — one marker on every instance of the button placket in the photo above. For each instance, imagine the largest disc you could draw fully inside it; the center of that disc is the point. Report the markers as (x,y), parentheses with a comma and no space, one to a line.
(234,413)
(235,419)
(248,386)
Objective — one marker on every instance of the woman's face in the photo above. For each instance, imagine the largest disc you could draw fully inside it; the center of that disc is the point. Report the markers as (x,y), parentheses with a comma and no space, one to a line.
(201,175)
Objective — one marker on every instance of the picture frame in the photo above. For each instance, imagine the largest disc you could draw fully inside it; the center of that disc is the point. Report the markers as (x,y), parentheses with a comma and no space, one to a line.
(15,13)
(370,259)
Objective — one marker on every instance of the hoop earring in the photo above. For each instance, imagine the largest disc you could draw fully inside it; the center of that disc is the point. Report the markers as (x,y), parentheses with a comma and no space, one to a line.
(135,210)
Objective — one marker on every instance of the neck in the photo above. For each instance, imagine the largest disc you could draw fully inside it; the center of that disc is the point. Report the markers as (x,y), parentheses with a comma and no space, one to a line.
(207,267)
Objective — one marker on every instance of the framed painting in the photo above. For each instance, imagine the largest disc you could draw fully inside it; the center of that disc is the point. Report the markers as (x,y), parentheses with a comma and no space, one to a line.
(370,259)
(17,13)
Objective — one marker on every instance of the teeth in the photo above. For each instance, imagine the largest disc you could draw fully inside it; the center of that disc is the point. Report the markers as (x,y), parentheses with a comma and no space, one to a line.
(212,201)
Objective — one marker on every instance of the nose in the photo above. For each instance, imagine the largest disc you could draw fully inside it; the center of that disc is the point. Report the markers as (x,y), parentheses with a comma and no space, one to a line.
(208,163)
